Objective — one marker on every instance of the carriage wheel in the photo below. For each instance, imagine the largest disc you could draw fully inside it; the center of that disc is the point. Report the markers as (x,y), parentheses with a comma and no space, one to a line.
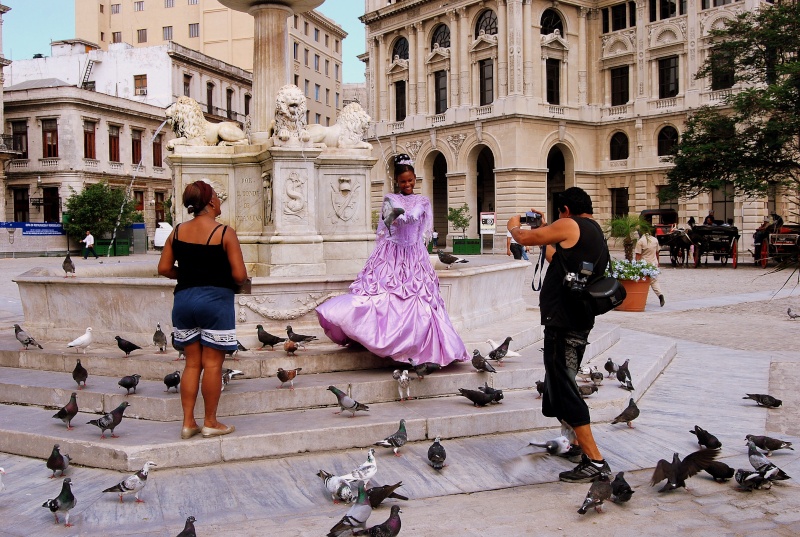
(735,254)
(697,255)
(764,253)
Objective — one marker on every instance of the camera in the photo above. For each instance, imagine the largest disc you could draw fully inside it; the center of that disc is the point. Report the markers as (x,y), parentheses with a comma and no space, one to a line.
(531,219)
(576,282)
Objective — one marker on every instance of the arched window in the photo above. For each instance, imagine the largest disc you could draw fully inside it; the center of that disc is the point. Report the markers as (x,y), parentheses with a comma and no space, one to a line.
(210,97)
(400,49)
(487,23)
(619,146)
(667,140)
(441,36)
(551,21)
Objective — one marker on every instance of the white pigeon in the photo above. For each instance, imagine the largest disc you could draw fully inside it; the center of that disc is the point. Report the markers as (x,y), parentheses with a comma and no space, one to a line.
(337,487)
(403,383)
(228,375)
(366,471)
(585,373)
(2,485)
(133,484)
(509,353)
(82,342)
(556,446)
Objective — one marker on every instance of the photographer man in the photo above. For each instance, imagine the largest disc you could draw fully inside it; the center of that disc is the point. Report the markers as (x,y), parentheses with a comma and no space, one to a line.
(572,241)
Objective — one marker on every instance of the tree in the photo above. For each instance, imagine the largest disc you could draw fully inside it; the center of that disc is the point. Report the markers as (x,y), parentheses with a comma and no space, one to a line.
(460,218)
(97,209)
(624,227)
(752,141)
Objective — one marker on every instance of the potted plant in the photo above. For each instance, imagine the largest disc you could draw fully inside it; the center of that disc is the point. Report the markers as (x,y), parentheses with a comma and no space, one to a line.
(625,228)
(635,278)
(460,219)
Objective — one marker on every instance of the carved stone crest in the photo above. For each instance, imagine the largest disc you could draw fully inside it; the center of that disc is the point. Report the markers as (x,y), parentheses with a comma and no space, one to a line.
(344,199)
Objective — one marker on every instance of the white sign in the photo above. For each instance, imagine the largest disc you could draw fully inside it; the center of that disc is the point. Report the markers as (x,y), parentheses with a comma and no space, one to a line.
(487,223)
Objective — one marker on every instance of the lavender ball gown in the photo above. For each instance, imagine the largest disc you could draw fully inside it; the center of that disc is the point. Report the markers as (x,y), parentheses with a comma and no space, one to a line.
(394,308)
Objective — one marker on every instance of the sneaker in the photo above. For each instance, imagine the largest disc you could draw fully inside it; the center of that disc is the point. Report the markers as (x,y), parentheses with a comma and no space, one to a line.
(661,300)
(575,454)
(585,472)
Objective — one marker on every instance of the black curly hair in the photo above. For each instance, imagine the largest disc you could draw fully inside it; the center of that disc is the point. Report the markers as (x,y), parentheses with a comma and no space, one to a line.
(402,164)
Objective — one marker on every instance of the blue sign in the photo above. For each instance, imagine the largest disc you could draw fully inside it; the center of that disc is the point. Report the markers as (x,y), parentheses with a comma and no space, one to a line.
(35,228)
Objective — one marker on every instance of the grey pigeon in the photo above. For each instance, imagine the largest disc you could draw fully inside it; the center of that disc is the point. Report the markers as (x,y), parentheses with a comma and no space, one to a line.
(706,439)
(540,386)
(228,375)
(586,391)
(497,395)
(129,382)
(366,471)
(389,214)
(376,494)
(437,454)
(356,516)
(480,363)
(449,259)
(346,402)
(337,487)
(599,492)
(235,352)
(477,397)
(500,352)
(425,368)
(300,339)
(160,339)
(791,315)
(188,529)
(395,440)
(596,377)
(389,528)
(719,471)
(611,367)
(57,461)
(620,489)
(63,503)
(268,339)
(630,413)
(173,380)
(68,265)
(678,471)
(403,383)
(557,446)
(110,420)
(24,338)
(79,374)
(749,481)
(763,465)
(82,342)
(769,444)
(68,411)
(126,346)
(764,400)
(133,484)
(624,376)
(288,376)
(178,347)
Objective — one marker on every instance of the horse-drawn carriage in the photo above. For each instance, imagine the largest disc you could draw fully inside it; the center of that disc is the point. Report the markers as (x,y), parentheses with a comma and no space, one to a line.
(721,242)
(673,241)
(782,243)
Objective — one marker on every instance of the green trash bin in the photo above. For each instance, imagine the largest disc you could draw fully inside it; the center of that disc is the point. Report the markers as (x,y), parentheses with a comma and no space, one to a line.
(101,247)
(122,247)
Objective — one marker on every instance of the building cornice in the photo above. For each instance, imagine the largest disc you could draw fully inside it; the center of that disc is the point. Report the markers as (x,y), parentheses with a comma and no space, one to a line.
(326,23)
(204,62)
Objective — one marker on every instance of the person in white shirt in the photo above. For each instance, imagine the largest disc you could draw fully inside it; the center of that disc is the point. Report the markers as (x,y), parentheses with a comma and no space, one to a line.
(435,236)
(88,243)
(647,250)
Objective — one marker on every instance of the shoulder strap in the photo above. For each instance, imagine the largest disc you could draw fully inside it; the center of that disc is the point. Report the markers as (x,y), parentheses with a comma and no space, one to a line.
(539,269)
(175,235)
(212,233)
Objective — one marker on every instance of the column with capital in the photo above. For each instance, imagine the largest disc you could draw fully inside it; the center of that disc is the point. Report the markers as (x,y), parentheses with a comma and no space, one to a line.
(422,97)
(514,53)
(527,50)
(583,13)
(465,32)
(381,65)
(455,48)
(413,68)
(502,49)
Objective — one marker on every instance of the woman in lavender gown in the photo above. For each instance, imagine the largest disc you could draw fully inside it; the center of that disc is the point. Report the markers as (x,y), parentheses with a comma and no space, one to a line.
(394,308)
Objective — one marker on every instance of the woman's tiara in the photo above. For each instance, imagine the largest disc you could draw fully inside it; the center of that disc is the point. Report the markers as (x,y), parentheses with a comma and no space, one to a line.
(403,160)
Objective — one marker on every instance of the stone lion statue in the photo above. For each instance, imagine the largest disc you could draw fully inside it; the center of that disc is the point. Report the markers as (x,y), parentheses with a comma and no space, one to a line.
(347,132)
(290,114)
(191,128)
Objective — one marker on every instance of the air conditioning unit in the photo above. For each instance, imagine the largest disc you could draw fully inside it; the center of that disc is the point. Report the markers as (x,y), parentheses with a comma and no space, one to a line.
(141,91)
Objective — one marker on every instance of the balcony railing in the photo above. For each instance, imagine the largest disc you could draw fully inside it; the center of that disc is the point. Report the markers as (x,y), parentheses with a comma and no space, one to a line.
(19,163)
(617,111)
(556,110)
(485,110)
(617,163)
(397,126)
(49,162)
(438,119)
(115,166)
(90,162)
(667,103)
(719,95)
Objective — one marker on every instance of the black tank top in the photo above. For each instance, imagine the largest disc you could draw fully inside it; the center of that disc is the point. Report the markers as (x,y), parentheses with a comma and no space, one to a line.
(557,304)
(202,265)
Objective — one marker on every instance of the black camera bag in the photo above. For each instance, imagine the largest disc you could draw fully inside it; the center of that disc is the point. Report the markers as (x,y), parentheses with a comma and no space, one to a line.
(602,295)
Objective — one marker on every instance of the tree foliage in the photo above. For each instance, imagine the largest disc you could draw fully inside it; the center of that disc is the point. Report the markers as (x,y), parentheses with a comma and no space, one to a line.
(460,217)
(625,227)
(96,209)
(751,141)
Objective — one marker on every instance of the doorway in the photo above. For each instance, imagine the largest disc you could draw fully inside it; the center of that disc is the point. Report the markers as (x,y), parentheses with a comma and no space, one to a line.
(556,180)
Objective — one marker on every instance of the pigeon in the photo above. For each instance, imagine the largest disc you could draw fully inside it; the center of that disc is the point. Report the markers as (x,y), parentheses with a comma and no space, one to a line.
(500,352)
(298,338)
(290,347)
(389,528)
(68,411)
(764,400)
(268,339)
(64,503)
(110,420)
(624,376)
(160,339)
(706,439)
(188,529)
(678,471)
(24,338)
(126,346)
(509,353)
(540,385)
(477,397)
(556,446)
(403,383)
(791,315)
(234,352)
(437,454)
(497,395)
(128,382)
(356,516)
(346,402)
(178,347)
(621,491)
(769,444)
(133,484)
(599,492)
(585,373)
(83,341)
(719,471)
(449,259)
(611,367)
(424,369)
(628,415)
(79,374)
(68,265)
(749,481)
(172,381)
(596,377)
(376,495)
(366,471)
(395,440)
(57,461)
(586,391)
(228,375)
(338,488)
(480,363)
(2,485)
(389,214)
(762,465)
(288,376)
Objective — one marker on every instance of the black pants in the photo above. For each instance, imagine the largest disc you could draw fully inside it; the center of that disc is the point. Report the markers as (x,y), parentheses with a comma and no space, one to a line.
(563,354)
(89,250)
(516,250)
